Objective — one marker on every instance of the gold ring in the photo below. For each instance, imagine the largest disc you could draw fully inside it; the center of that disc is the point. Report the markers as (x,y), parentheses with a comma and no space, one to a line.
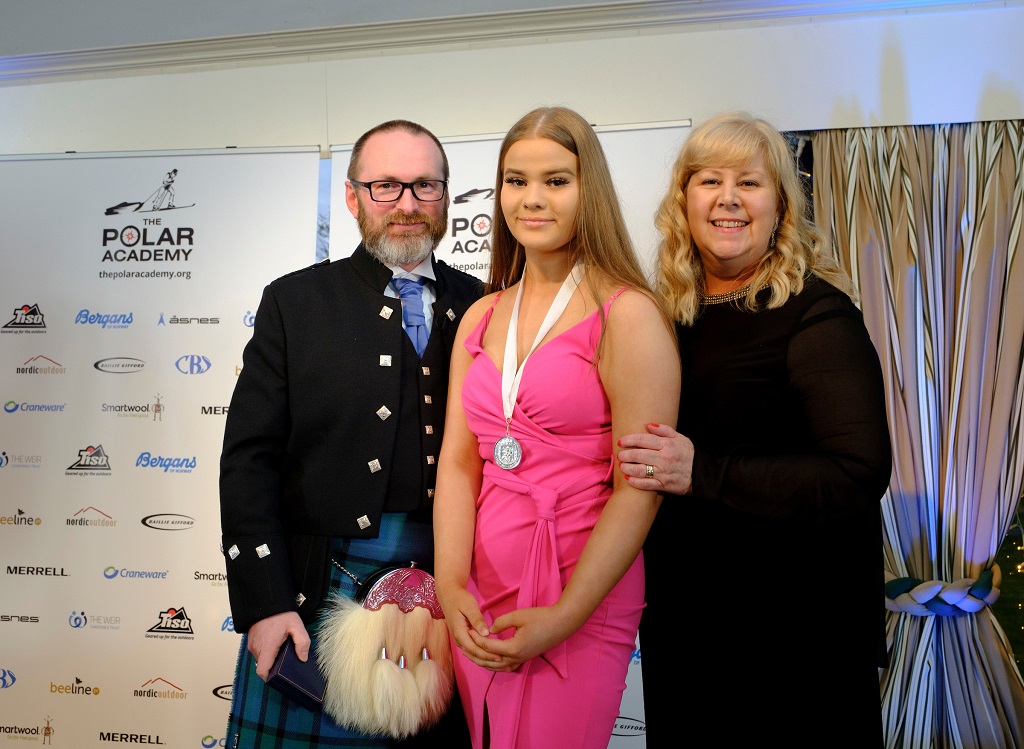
(650,471)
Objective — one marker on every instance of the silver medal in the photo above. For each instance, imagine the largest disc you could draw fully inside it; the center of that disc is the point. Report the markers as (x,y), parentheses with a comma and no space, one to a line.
(507,452)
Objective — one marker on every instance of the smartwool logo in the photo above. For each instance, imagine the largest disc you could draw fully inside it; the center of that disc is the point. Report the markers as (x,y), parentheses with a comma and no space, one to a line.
(173,624)
(27,319)
(92,460)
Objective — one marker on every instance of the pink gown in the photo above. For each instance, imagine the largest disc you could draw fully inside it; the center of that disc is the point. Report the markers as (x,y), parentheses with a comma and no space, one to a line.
(532,523)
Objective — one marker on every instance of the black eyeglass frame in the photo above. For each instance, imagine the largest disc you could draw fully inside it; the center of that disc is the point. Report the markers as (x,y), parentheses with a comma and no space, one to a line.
(405,186)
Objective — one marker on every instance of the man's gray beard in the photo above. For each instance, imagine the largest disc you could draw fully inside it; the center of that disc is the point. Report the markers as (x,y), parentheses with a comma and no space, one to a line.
(401,250)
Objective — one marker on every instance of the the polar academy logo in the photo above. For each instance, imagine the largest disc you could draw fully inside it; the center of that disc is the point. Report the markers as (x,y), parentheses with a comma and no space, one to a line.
(150,240)
(91,460)
(27,319)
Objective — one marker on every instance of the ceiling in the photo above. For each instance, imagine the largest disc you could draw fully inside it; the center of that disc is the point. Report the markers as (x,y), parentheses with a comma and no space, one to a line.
(46,39)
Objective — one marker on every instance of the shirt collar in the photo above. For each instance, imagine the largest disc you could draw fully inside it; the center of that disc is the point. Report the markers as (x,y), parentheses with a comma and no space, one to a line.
(425,270)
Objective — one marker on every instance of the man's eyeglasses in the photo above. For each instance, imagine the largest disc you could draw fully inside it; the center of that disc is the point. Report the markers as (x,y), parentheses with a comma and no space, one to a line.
(388,190)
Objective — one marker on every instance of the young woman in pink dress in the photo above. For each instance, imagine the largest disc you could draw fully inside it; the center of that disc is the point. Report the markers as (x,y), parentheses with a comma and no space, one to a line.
(537,534)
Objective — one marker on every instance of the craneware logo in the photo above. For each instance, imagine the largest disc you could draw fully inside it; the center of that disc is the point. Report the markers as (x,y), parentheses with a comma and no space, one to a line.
(92,460)
(27,319)
(119,365)
(13,406)
(193,364)
(41,365)
(90,517)
(173,624)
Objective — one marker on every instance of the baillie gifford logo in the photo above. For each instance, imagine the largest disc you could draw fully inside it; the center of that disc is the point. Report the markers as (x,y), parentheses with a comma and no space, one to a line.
(27,319)
(92,460)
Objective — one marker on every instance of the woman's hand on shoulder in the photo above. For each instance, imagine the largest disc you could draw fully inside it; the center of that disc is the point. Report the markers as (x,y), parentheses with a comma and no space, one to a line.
(665,452)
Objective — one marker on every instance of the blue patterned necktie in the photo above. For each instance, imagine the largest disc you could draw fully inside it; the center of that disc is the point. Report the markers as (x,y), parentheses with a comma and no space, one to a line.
(411,294)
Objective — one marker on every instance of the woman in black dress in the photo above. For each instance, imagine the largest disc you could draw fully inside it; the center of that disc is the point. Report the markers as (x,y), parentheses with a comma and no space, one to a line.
(765,616)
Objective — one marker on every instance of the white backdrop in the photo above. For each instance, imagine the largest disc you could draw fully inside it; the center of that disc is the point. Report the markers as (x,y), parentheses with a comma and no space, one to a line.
(640,158)
(121,332)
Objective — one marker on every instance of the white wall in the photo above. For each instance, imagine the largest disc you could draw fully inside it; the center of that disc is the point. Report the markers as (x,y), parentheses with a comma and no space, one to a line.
(916,68)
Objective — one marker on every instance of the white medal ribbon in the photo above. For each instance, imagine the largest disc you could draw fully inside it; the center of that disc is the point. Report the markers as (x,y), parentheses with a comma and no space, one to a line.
(507,450)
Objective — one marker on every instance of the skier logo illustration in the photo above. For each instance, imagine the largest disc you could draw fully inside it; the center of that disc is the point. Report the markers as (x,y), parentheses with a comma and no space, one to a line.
(161,199)
(158,409)
(165,192)
(48,732)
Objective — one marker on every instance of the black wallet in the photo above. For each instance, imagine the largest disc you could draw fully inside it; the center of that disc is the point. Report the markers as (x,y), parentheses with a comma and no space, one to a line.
(300,682)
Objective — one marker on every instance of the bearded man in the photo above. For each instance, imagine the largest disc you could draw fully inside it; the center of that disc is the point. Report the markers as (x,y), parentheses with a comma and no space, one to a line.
(334,428)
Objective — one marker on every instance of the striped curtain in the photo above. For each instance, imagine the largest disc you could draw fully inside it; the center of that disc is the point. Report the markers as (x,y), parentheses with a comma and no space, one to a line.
(929,222)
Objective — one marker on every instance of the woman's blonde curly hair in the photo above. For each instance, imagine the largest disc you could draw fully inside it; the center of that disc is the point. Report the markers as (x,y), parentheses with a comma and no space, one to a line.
(732,140)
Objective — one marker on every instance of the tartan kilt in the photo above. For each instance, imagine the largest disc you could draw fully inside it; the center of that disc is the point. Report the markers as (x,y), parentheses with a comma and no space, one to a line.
(263,718)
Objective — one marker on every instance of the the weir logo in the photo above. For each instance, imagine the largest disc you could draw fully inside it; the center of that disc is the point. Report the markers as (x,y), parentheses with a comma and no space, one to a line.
(172,624)
(92,460)
(19,460)
(81,620)
(27,319)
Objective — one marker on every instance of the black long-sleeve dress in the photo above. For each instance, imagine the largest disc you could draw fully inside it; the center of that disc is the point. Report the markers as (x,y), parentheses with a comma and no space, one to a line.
(765,616)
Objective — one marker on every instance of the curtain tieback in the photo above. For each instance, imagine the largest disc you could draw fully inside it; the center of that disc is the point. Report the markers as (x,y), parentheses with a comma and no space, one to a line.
(908,595)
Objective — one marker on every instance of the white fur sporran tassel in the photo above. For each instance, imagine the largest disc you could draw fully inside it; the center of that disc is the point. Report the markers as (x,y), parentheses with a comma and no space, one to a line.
(378,680)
